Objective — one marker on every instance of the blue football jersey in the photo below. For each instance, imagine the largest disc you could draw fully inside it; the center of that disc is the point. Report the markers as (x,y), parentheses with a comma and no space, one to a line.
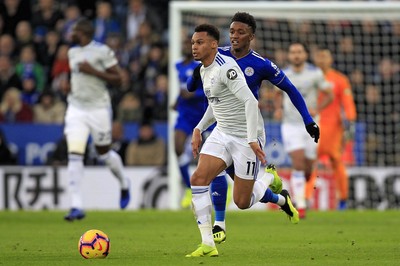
(256,69)
(190,110)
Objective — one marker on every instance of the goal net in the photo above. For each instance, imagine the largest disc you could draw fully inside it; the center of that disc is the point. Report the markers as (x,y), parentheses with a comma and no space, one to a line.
(364,38)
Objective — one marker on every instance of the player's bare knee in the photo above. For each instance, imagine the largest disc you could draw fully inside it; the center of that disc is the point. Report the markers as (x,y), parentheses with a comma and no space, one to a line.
(242,203)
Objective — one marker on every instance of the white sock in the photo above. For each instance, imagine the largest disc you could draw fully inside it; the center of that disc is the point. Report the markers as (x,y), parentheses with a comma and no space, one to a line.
(114,163)
(258,192)
(75,175)
(281,200)
(298,185)
(201,201)
(268,178)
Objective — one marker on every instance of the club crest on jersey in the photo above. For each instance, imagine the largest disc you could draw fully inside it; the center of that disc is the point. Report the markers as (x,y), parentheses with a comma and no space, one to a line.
(249,71)
(231,74)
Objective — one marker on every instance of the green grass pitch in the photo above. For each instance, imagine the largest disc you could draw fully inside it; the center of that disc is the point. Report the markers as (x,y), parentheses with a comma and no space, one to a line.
(164,237)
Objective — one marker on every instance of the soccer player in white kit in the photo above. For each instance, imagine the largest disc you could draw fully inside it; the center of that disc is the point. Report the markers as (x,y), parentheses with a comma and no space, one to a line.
(92,65)
(238,138)
(310,81)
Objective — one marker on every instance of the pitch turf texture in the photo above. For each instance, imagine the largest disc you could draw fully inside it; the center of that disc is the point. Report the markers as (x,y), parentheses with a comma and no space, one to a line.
(164,237)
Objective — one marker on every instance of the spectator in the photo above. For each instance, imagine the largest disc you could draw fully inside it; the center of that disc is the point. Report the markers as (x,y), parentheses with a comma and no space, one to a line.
(61,86)
(48,110)
(30,94)
(347,55)
(71,14)
(155,65)
(148,149)
(375,151)
(28,67)
(8,78)
(23,35)
(388,80)
(12,12)
(6,156)
(7,46)
(357,81)
(104,24)
(60,64)
(137,14)
(117,93)
(160,99)
(116,43)
(47,52)
(46,15)
(12,109)
(129,109)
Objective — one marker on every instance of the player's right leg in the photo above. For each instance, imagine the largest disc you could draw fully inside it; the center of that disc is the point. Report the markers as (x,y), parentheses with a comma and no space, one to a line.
(77,133)
(184,155)
(296,141)
(101,125)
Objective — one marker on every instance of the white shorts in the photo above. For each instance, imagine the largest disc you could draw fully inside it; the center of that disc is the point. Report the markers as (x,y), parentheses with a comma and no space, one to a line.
(80,123)
(234,150)
(296,137)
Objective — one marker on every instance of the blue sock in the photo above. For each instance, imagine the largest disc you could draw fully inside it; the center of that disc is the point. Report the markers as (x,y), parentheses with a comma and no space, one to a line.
(269,196)
(219,188)
(185,174)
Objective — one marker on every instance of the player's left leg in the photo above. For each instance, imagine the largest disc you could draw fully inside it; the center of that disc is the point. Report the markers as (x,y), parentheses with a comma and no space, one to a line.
(101,126)
(184,154)
(219,188)
(342,182)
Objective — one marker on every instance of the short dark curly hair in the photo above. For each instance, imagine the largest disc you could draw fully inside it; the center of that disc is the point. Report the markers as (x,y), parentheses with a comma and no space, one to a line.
(245,18)
(210,29)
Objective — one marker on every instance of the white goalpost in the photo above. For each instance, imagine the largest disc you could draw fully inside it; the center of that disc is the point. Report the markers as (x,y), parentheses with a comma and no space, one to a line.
(364,38)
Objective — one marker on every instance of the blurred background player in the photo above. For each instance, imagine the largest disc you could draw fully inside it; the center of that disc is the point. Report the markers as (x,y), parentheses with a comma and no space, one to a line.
(332,122)
(256,69)
(309,80)
(190,107)
(89,111)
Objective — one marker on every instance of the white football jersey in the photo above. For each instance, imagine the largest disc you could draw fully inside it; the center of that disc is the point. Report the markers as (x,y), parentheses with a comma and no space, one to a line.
(308,82)
(228,94)
(87,90)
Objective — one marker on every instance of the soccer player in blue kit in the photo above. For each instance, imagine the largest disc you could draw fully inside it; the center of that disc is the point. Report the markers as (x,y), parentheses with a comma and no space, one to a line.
(191,107)
(256,69)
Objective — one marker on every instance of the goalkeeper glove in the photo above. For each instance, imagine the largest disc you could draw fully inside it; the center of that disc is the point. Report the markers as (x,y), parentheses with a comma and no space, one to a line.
(313,130)
(196,72)
(350,130)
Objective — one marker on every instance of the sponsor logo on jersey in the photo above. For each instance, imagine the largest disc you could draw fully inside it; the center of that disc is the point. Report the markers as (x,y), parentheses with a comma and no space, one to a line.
(214,100)
(249,71)
(231,74)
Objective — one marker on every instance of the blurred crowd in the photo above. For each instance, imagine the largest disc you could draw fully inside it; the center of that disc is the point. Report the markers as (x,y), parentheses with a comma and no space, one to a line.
(366,51)
(34,72)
